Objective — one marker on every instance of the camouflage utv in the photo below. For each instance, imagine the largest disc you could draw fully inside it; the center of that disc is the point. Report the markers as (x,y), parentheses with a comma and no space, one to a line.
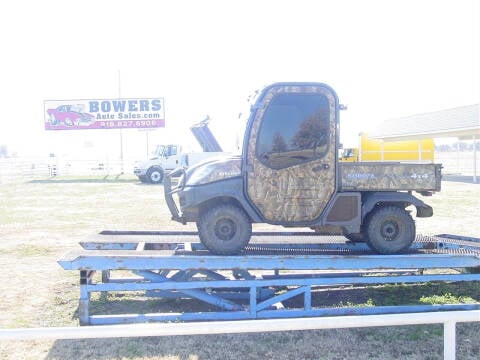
(289,175)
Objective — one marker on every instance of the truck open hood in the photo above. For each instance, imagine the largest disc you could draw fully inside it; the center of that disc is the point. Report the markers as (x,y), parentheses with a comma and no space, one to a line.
(204,136)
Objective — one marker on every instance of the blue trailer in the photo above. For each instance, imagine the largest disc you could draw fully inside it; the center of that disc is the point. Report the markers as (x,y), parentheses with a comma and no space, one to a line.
(276,276)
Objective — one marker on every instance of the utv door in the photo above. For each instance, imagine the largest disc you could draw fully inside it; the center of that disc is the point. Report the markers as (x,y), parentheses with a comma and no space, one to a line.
(291,153)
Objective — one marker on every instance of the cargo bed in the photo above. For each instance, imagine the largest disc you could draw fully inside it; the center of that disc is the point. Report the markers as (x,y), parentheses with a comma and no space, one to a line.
(389,176)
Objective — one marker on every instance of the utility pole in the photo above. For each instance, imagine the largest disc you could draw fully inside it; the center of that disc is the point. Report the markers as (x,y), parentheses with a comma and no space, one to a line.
(121,133)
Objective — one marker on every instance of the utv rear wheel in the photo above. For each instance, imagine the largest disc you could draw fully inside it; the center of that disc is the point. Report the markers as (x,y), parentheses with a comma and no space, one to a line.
(224,229)
(390,230)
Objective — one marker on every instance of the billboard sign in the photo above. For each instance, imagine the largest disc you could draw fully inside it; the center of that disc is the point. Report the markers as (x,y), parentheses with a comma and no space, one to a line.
(104,114)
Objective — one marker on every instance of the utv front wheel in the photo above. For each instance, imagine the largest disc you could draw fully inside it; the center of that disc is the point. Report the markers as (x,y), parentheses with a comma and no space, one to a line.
(390,230)
(224,229)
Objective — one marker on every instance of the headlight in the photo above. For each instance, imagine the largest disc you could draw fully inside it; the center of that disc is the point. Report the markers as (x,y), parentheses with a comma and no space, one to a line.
(213,171)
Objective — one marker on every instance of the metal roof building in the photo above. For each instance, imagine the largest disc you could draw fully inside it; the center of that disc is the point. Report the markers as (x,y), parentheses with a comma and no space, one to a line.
(461,122)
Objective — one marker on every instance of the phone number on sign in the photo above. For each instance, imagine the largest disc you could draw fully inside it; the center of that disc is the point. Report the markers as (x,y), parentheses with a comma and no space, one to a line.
(129,123)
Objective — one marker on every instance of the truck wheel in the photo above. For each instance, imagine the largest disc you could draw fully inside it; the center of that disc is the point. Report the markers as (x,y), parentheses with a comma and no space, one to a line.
(155,175)
(390,230)
(224,229)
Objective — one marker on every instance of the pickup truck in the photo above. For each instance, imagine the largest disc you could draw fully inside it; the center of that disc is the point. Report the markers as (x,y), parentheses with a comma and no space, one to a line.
(289,174)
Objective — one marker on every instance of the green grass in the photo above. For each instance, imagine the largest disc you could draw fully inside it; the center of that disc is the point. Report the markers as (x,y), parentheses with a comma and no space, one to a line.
(447,298)
(425,333)
(426,293)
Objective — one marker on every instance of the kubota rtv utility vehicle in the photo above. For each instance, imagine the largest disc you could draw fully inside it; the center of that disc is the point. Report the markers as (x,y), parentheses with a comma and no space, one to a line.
(289,175)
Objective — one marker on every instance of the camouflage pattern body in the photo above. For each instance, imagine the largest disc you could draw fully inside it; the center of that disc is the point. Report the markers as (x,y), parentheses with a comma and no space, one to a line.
(297,193)
(389,177)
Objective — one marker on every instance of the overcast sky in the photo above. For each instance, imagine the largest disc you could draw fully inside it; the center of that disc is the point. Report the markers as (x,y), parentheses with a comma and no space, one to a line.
(385,59)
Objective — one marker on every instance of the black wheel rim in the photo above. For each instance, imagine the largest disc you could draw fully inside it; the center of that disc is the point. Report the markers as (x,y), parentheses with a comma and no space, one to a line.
(225,229)
(390,230)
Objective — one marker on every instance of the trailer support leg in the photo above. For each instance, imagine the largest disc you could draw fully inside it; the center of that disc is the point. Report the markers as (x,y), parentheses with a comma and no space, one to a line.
(84,302)
(307,300)
(105,276)
(253,302)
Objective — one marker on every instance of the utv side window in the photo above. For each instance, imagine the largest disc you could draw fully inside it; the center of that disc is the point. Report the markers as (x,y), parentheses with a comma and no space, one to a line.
(295,129)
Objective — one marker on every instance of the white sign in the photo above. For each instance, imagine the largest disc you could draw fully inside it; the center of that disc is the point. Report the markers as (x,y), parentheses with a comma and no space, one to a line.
(104,114)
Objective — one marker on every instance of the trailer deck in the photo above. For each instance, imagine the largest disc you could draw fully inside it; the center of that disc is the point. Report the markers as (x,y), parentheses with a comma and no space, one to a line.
(274,277)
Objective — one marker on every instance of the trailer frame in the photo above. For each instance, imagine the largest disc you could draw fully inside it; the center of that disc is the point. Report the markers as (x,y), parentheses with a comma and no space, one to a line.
(276,270)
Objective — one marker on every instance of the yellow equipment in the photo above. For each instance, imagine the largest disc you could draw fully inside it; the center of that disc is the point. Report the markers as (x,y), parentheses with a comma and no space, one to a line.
(379,150)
